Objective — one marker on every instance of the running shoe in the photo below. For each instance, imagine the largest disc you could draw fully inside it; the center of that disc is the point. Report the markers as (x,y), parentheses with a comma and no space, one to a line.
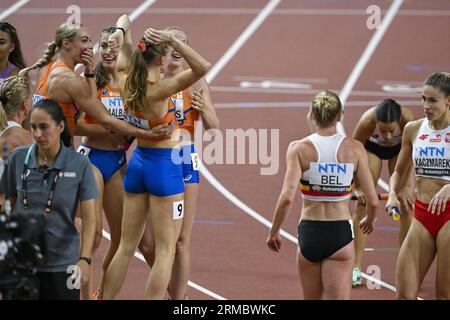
(356,278)
(97,295)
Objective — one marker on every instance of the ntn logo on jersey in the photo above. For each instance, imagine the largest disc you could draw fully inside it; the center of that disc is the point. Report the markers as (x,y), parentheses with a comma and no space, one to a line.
(431,152)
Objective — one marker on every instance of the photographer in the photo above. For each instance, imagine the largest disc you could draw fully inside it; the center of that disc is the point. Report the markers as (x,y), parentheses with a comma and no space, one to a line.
(51,178)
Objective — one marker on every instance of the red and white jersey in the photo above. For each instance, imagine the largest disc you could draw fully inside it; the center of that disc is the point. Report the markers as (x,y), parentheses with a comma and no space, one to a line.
(431,152)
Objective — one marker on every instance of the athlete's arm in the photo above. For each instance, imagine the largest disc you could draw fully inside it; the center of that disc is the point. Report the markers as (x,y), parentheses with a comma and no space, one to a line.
(208,112)
(365,126)
(198,65)
(89,129)
(403,166)
(123,42)
(79,91)
(287,195)
(365,180)
(87,236)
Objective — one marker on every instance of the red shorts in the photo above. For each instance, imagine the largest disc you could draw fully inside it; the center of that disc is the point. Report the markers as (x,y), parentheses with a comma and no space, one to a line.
(432,222)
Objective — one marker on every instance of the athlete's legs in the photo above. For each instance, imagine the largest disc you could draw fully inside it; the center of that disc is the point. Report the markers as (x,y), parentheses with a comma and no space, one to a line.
(166,231)
(113,207)
(337,274)
(310,277)
(147,243)
(406,208)
(443,263)
(86,290)
(135,208)
(360,212)
(414,259)
(182,264)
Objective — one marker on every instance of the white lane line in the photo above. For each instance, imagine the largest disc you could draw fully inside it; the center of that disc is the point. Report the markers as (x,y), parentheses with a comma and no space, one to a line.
(16,6)
(248,32)
(301,104)
(368,52)
(309,91)
(362,62)
(301,80)
(190,283)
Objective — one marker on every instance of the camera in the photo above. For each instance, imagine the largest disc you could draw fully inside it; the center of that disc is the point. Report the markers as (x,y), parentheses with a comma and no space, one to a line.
(22,249)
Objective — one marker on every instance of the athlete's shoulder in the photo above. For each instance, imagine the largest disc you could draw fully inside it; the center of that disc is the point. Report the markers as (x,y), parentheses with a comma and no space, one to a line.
(351,144)
(414,125)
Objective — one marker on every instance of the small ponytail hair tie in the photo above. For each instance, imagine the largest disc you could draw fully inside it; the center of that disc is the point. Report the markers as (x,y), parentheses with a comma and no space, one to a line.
(3,100)
(143,46)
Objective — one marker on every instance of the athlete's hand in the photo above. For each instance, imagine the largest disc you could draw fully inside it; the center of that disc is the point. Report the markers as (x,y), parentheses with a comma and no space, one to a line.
(158,36)
(88,60)
(392,202)
(366,224)
(197,101)
(84,269)
(360,196)
(438,202)
(162,131)
(274,241)
(115,41)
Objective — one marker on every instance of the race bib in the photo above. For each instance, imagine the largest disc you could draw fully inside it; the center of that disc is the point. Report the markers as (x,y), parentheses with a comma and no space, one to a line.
(178,210)
(195,161)
(179,106)
(140,123)
(115,106)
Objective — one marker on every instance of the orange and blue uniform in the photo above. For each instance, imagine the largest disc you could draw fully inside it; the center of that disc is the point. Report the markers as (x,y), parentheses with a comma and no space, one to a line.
(156,171)
(186,117)
(70,110)
(107,161)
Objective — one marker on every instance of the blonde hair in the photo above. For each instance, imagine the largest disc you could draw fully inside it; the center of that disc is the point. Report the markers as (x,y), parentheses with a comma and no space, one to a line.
(14,91)
(176,28)
(325,108)
(65,31)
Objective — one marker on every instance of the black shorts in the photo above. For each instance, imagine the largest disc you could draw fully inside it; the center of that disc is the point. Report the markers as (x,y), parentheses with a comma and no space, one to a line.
(381,152)
(319,240)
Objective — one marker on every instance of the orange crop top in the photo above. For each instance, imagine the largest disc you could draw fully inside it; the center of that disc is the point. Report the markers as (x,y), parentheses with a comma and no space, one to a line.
(187,117)
(140,121)
(113,102)
(70,110)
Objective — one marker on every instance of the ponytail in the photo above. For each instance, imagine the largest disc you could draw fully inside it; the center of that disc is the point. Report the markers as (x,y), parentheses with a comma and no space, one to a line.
(136,81)
(44,60)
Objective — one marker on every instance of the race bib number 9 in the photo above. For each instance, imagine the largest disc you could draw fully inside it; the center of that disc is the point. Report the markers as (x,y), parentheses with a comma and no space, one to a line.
(195,161)
(178,210)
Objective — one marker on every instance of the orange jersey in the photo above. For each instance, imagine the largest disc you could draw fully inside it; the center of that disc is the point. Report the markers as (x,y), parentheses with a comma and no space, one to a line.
(184,113)
(112,101)
(70,110)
